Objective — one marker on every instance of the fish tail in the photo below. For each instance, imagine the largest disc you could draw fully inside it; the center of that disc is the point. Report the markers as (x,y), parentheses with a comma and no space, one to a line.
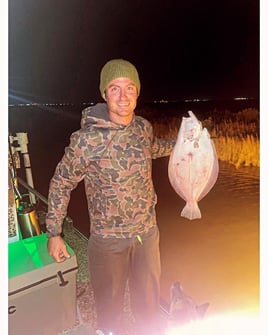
(191,211)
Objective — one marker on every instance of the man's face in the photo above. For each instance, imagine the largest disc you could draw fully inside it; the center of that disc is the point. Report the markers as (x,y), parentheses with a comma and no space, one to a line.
(121,96)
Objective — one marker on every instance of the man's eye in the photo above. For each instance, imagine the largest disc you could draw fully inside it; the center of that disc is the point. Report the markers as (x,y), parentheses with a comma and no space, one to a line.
(114,89)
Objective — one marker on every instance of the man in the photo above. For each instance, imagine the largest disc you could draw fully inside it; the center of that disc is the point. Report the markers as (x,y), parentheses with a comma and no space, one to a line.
(112,153)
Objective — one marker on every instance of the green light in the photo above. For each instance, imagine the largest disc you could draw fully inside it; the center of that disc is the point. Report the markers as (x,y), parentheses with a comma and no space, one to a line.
(29,254)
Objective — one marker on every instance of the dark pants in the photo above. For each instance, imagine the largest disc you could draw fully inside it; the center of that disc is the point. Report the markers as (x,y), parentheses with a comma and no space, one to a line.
(113,261)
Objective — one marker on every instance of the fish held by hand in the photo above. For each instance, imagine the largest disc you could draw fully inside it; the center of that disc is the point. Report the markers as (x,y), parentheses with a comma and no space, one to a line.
(193,165)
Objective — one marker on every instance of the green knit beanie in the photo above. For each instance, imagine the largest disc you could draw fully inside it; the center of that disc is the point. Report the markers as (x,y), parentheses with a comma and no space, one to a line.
(117,68)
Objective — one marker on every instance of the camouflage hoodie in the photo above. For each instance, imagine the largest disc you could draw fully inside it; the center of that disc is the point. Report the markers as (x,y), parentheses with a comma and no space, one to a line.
(115,162)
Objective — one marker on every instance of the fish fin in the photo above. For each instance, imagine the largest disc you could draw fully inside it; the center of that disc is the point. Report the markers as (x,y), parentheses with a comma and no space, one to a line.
(191,211)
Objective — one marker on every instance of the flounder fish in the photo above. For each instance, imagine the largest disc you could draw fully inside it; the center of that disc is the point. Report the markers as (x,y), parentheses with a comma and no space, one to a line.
(193,165)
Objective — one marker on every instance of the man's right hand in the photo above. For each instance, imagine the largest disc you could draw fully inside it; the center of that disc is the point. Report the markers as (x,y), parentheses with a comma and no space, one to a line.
(57,249)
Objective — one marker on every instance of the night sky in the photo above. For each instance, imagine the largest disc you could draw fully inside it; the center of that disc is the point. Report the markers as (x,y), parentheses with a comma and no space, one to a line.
(182,49)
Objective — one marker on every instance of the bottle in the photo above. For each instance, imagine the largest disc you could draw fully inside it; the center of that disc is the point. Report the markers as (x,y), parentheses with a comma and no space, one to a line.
(28,220)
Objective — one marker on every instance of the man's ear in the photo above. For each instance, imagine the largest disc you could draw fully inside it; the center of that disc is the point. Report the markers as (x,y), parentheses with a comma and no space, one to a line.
(104,96)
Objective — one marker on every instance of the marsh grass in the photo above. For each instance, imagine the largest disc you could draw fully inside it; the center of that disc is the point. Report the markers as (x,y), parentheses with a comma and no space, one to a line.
(235,135)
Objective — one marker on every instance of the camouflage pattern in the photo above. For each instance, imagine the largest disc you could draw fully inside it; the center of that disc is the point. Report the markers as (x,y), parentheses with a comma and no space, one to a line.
(115,162)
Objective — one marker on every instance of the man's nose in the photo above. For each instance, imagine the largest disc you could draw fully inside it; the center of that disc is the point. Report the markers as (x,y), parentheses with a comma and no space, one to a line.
(123,94)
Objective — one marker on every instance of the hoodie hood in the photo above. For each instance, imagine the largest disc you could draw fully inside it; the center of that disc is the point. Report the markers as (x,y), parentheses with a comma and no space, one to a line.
(97,116)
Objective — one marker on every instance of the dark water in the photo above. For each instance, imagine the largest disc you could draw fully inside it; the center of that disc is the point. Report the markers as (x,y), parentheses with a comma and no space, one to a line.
(203,108)
(216,258)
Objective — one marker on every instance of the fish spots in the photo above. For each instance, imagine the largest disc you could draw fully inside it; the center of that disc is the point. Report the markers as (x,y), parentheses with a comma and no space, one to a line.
(190,154)
(196,145)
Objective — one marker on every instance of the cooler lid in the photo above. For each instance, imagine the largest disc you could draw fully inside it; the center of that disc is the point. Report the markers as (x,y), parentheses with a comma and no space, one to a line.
(29,261)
